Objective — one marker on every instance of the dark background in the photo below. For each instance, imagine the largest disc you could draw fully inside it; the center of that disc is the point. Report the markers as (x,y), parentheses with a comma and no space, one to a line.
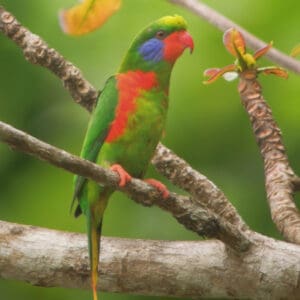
(207,126)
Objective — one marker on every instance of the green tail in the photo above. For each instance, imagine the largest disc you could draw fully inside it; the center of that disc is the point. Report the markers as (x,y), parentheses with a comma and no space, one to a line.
(94,228)
(94,216)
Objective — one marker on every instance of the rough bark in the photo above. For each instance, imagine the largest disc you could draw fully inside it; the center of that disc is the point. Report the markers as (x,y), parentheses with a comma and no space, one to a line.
(205,194)
(180,173)
(278,173)
(183,208)
(190,269)
(38,52)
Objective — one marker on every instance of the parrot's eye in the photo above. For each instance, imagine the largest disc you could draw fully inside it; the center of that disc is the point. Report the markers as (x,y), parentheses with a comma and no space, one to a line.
(161,34)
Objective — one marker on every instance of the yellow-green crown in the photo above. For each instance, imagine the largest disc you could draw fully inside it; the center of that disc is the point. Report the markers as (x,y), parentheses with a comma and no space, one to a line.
(176,20)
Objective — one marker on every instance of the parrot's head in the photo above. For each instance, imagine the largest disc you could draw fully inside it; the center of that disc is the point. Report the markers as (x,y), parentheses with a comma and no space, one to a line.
(159,45)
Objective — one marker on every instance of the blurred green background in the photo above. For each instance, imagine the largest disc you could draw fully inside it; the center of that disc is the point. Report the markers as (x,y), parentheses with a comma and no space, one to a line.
(207,126)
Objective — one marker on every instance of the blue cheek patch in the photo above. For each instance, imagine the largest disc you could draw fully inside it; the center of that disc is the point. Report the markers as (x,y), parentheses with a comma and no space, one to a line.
(152,50)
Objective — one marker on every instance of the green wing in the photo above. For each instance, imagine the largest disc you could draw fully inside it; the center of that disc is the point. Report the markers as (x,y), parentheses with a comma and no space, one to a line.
(98,128)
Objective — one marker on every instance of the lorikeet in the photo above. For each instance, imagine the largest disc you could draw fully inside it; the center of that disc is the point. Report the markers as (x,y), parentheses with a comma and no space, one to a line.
(128,120)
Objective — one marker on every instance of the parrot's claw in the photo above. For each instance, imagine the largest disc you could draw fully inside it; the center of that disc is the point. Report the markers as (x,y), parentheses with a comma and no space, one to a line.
(159,186)
(124,176)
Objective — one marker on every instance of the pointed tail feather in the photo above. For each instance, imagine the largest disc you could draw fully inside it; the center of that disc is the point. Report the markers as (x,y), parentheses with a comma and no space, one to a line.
(94,235)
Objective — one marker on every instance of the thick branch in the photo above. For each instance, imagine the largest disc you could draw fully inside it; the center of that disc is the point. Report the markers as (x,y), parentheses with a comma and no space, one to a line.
(224,23)
(186,211)
(193,270)
(278,173)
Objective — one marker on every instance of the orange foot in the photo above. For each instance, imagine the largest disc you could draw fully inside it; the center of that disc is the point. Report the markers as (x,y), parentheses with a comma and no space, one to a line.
(124,176)
(159,186)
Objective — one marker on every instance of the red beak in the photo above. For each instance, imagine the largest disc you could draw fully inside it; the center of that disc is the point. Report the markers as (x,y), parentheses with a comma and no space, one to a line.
(176,43)
(186,40)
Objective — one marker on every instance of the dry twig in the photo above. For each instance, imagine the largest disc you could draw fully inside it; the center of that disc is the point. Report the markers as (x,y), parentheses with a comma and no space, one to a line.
(223,23)
(38,52)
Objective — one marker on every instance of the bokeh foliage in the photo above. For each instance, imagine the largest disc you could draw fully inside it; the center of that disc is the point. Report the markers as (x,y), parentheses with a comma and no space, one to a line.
(206,126)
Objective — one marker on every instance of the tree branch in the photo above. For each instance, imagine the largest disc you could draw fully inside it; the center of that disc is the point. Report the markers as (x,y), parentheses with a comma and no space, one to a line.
(38,52)
(279,176)
(186,211)
(223,23)
(270,270)
(181,174)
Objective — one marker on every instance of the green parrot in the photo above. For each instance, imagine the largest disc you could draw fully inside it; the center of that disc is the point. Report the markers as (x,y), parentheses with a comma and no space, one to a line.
(128,121)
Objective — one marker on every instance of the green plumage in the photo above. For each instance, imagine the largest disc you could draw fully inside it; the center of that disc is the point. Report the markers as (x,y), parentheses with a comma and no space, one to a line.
(126,125)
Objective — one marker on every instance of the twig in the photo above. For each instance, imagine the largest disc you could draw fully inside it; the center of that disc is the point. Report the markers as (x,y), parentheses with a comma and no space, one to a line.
(278,173)
(223,23)
(37,51)
(189,269)
(186,211)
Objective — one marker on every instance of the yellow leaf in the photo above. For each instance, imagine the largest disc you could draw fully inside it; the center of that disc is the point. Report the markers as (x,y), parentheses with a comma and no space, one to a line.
(249,60)
(87,15)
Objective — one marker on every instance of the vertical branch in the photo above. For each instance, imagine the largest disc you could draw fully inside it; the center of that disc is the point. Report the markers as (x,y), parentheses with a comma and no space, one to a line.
(278,173)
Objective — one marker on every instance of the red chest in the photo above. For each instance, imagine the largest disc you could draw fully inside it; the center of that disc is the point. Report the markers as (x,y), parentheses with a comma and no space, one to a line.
(130,85)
